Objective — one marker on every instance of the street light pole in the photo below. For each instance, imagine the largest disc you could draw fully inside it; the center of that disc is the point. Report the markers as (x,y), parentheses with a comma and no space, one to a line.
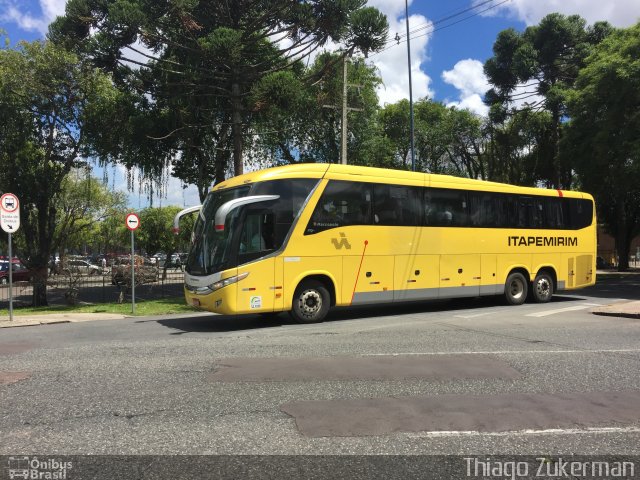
(413,156)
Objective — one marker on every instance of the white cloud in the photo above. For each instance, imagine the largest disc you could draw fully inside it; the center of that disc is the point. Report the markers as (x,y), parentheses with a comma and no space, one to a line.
(621,13)
(29,21)
(392,62)
(468,77)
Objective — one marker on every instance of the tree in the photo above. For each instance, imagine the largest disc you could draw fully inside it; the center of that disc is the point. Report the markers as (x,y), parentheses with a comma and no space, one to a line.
(447,140)
(51,103)
(199,62)
(537,69)
(155,233)
(604,134)
(82,204)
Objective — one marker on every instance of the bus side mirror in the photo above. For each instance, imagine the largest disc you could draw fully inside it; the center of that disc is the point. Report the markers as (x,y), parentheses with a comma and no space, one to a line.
(226,208)
(180,214)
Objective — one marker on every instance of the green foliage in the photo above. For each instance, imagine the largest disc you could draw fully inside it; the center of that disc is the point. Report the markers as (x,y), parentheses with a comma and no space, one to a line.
(534,71)
(155,233)
(604,133)
(212,71)
(50,101)
(83,203)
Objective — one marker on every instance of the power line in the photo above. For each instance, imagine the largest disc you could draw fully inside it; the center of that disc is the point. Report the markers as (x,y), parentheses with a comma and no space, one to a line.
(399,39)
(456,13)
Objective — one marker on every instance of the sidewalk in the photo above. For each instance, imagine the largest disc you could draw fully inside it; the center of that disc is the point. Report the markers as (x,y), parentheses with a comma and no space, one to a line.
(628,309)
(620,309)
(44,319)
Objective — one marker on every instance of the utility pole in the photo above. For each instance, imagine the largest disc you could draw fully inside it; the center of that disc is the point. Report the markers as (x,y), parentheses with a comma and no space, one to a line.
(343,157)
(345,109)
(413,155)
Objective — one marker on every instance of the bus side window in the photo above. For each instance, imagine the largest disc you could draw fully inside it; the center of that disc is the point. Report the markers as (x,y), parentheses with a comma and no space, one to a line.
(553,213)
(341,204)
(397,205)
(449,208)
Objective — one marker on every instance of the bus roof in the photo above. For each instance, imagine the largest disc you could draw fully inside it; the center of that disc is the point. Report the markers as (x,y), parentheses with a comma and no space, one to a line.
(373,174)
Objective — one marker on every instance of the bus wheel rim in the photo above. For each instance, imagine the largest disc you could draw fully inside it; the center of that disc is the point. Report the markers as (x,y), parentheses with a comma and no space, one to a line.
(543,287)
(516,288)
(310,303)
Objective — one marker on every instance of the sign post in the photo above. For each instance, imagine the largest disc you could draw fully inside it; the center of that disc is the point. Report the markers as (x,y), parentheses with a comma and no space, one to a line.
(133,222)
(10,222)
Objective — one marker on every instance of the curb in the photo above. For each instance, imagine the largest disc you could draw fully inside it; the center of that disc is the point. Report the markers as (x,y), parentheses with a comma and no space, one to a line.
(622,309)
(52,319)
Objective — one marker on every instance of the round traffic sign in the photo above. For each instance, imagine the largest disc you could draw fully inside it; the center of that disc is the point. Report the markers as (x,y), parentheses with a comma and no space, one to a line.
(9,213)
(9,203)
(132,221)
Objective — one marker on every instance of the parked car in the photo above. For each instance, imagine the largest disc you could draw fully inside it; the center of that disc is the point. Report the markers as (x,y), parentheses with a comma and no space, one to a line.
(145,272)
(82,267)
(177,260)
(602,263)
(19,273)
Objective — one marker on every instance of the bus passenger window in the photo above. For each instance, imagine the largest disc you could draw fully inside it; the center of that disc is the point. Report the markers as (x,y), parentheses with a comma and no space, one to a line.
(448,208)
(341,204)
(397,205)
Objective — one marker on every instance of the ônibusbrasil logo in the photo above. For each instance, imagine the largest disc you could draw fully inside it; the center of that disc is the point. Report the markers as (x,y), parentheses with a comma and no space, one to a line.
(38,469)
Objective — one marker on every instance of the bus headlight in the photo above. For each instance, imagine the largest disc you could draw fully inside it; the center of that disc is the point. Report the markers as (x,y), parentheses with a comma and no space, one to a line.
(228,281)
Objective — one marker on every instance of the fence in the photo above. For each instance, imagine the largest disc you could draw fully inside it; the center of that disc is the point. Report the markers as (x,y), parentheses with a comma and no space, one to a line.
(94,289)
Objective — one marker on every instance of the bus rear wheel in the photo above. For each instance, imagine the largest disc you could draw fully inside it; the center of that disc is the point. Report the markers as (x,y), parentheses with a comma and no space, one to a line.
(515,289)
(542,290)
(311,302)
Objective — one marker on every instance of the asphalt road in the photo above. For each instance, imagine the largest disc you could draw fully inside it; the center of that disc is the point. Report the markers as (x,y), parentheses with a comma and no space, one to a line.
(457,377)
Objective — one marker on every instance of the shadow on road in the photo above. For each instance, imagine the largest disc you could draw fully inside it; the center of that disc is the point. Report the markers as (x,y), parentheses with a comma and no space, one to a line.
(236,323)
(224,323)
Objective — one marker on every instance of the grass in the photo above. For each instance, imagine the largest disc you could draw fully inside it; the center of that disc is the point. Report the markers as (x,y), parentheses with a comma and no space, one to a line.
(143,308)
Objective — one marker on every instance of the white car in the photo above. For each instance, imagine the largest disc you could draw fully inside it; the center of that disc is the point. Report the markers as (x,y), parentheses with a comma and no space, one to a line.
(82,266)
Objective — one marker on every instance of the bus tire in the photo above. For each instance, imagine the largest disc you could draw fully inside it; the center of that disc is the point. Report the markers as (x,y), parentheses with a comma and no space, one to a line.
(311,302)
(542,288)
(515,289)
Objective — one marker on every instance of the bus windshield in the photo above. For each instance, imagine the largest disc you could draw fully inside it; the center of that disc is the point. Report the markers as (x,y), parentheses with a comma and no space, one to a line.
(251,231)
(210,249)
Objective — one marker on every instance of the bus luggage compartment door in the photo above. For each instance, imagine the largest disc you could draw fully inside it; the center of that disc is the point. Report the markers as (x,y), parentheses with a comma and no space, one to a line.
(417,277)
(374,284)
(459,276)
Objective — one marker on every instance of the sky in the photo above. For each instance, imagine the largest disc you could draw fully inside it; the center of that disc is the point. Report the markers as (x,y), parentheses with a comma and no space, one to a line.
(449,41)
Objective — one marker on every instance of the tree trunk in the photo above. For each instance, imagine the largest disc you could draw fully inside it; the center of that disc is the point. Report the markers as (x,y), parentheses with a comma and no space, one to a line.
(40,275)
(622,238)
(236,120)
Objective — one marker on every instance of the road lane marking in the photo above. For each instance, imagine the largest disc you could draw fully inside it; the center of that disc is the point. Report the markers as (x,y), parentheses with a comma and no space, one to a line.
(508,352)
(517,433)
(562,310)
(488,413)
(474,315)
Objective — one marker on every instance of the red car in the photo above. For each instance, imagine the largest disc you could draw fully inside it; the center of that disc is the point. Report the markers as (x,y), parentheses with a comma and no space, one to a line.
(19,272)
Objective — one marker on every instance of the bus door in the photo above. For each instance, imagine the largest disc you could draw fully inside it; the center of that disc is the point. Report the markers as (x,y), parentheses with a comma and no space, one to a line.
(256,293)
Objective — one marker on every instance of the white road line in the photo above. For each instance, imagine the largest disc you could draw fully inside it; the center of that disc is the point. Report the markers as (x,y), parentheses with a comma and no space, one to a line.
(551,431)
(562,310)
(474,315)
(506,352)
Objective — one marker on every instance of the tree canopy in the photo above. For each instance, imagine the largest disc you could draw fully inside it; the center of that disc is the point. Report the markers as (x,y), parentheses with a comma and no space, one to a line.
(604,133)
(197,66)
(52,103)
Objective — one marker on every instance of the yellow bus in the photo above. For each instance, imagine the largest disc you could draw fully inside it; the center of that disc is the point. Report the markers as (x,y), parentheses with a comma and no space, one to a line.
(304,238)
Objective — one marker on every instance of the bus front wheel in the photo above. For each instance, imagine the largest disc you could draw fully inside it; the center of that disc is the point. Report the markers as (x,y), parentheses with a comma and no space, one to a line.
(542,290)
(515,289)
(311,302)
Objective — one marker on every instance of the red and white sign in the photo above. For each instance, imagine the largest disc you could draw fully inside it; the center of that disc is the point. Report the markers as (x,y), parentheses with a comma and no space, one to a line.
(9,213)
(132,221)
